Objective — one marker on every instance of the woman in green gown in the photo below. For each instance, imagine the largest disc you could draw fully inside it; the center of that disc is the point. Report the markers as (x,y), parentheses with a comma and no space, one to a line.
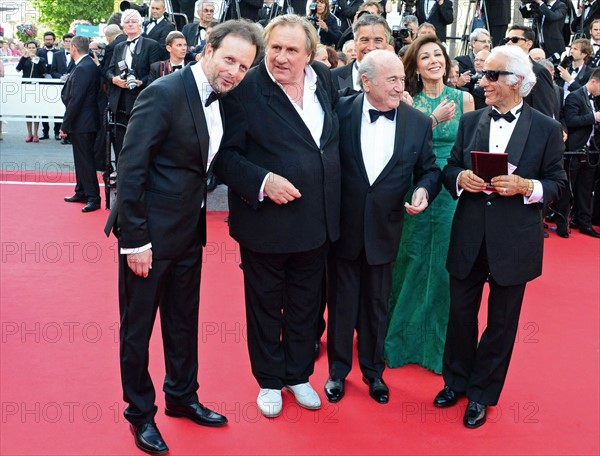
(418,312)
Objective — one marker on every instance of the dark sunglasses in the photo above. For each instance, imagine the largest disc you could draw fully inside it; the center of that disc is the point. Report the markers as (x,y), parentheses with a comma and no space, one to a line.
(493,75)
(513,39)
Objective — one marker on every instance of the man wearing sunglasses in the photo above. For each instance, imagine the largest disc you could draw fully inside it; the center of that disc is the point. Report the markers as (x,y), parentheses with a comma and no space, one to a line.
(541,96)
(548,20)
(497,234)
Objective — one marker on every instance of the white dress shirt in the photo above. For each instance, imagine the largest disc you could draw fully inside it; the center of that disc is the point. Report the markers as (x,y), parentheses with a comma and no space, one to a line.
(376,141)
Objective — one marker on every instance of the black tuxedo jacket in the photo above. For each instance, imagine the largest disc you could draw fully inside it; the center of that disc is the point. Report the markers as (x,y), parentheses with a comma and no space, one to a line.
(579,118)
(80,97)
(159,69)
(264,133)
(342,77)
(108,54)
(594,60)
(583,76)
(466,63)
(59,65)
(542,96)
(159,34)
(147,51)
(162,170)
(439,17)
(512,231)
(43,52)
(372,214)
(577,26)
(190,31)
(498,12)
(551,39)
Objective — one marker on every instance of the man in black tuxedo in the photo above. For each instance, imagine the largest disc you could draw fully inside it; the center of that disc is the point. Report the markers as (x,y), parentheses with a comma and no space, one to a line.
(280,159)
(384,146)
(47,52)
(81,121)
(371,32)
(582,119)
(496,237)
(158,27)
(136,54)
(161,226)
(577,73)
(595,42)
(196,32)
(63,63)
(541,97)
(177,49)
(583,17)
(480,40)
(548,20)
(439,13)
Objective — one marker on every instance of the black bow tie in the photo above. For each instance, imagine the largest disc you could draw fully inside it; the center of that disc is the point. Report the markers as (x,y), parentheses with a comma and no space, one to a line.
(375,114)
(214,96)
(152,21)
(176,67)
(509,116)
(133,41)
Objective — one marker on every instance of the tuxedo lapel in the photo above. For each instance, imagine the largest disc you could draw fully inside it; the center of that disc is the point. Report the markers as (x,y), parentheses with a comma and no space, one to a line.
(326,106)
(482,136)
(356,120)
(279,102)
(516,144)
(195,107)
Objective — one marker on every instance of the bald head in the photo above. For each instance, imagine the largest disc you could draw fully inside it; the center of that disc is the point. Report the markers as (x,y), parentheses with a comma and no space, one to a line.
(382,77)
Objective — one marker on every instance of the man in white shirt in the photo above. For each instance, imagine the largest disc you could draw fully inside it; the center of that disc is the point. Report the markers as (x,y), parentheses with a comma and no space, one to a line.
(392,147)
(174,132)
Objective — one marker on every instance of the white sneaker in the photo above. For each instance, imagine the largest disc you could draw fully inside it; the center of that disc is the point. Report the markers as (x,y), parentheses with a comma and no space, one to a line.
(269,402)
(305,396)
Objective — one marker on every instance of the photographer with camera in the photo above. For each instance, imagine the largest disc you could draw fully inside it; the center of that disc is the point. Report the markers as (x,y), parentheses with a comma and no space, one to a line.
(573,71)
(548,19)
(326,24)
(586,12)
(129,71)
(345,11)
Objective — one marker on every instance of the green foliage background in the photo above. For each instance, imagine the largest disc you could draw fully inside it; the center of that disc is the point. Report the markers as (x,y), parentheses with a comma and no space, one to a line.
(58,14)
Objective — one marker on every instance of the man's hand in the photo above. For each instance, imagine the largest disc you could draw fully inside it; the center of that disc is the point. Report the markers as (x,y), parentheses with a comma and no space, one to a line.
(470,182)
(464,79)
(565,75)
(280,190)
(406,98)
(119,82)
(509,185)
(419,202)
(140,263)
(62,134)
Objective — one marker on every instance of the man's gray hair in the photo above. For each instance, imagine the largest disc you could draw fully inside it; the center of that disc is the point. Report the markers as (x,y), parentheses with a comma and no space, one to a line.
(475,34)
(131,14)
(370,20)
(519,63)
(411,19)
(81,43)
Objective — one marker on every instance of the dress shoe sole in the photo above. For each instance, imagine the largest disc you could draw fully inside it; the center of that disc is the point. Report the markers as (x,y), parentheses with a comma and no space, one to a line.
(307,407)
(146,449)
(175,414)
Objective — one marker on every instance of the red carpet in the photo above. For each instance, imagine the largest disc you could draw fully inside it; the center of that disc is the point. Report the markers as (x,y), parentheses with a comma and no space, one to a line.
(59,380)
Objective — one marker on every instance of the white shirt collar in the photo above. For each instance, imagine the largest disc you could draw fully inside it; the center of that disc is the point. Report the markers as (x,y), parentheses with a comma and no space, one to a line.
(202,82)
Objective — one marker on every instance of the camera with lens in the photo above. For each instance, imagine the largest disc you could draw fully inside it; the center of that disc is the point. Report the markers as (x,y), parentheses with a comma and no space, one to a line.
(475,78)
(400,33)
(312,14)
(128,75)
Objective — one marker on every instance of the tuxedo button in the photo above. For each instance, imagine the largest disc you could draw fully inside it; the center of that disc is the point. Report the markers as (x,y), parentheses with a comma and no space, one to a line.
(489,203)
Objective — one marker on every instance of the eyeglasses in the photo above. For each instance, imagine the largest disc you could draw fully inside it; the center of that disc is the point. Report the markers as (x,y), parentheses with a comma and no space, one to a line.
(513,39)
(493,75)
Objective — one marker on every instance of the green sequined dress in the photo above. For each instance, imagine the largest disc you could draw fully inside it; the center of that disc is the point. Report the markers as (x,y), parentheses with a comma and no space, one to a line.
(420,300)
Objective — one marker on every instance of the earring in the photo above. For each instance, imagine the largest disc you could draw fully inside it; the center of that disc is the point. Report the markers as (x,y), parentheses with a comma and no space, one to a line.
(418,77)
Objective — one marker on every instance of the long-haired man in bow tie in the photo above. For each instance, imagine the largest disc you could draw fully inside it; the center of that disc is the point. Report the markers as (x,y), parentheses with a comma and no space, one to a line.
(385,145)
(161,225)
(496,236)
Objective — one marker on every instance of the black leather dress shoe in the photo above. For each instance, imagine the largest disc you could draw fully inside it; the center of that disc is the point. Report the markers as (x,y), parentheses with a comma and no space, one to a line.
(147,438)
(334,389)
(474,415)
(56,136)
(562,230)
(76,199)
(91,206)
(589,232)
(197,413)
(44,136)
(378,390)
(446,398)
